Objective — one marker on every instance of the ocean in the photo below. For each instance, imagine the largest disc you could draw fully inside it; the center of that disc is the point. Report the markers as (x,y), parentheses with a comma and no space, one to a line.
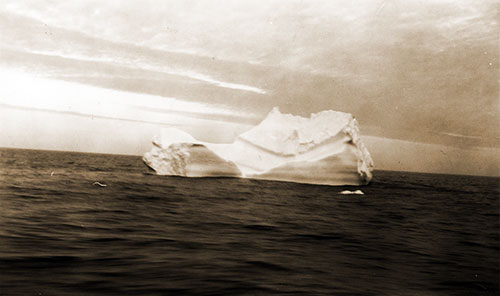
(143,234)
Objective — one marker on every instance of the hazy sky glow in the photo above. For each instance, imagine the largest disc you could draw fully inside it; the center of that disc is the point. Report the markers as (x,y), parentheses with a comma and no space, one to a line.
(423,72)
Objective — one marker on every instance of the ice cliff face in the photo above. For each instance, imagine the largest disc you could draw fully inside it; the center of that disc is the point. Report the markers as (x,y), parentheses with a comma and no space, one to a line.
(323,149)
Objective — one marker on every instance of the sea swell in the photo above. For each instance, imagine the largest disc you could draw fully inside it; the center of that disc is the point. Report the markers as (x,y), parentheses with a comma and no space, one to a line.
(143,234)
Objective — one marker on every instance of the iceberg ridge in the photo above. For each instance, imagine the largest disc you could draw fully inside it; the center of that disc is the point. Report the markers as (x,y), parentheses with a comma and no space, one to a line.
(325,148)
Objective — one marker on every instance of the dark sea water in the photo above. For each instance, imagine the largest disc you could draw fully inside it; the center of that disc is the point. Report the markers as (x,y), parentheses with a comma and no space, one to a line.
(411,234)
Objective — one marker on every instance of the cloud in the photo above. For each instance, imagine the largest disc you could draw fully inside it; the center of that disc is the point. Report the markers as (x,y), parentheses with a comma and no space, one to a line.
(413,68)
(22,90)
(462,136)
(141,65)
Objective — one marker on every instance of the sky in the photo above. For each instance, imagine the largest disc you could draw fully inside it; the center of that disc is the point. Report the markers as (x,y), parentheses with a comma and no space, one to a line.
(421,77)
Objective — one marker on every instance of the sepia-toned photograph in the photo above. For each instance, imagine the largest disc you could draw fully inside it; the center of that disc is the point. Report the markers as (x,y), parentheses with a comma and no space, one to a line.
(250,147)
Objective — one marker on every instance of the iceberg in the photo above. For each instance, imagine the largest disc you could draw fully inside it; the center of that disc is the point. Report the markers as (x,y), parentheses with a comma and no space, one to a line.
(325,149)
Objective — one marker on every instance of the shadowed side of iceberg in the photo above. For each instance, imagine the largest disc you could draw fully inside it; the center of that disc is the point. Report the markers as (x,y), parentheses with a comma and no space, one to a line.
(189,160)
(337,169)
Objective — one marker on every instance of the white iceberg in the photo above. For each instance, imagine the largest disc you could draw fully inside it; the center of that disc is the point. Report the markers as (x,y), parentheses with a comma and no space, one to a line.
(323,149)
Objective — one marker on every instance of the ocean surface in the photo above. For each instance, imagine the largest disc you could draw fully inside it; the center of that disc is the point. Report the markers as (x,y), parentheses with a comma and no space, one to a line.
(143,234)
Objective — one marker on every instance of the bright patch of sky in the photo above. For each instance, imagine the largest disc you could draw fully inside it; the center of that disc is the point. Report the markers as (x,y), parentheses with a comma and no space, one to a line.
(28,91)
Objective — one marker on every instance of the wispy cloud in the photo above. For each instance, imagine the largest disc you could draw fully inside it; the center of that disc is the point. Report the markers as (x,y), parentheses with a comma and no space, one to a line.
(462,136)
(208,79)
(28,91)
(141,65)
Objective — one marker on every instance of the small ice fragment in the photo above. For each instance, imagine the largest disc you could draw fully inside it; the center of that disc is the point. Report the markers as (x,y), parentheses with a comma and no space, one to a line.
(352,192)
(99,184)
